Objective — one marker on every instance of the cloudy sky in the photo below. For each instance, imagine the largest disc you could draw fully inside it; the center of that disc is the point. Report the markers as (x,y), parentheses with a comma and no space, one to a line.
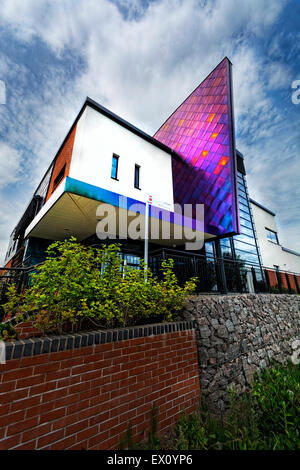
(141,58)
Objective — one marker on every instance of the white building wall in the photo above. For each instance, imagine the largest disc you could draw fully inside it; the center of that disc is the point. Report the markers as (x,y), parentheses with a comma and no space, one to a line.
(272,253)
(98,138)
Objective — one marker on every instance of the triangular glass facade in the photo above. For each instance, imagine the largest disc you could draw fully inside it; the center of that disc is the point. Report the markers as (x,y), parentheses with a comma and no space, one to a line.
(201,132)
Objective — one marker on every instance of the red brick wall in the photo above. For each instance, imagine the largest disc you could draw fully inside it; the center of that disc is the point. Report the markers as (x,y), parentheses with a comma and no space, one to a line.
(85,398)
(27,330)
(64,158)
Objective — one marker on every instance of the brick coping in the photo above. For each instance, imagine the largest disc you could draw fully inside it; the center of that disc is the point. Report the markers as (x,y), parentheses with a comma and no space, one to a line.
(17,349)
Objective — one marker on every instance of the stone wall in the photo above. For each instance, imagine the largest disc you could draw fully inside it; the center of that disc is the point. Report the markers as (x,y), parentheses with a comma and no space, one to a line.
(239,335)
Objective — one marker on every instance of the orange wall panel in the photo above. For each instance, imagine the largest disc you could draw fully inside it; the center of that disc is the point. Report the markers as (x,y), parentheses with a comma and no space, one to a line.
(292,282)
(283,280)
(63,158)
(272,277)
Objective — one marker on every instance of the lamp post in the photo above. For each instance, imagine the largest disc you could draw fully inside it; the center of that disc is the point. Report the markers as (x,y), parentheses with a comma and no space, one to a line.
(146,243)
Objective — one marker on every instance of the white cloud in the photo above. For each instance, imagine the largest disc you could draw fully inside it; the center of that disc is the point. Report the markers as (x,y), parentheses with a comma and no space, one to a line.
(2,92)
(279,76)
(10,160)
(273,176)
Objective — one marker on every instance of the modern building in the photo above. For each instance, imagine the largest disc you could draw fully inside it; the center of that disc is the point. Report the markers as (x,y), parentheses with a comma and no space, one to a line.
(105,161)
(273,254)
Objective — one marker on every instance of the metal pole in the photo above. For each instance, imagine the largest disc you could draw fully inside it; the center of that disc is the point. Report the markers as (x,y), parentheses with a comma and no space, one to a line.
(146,244)
(221,277)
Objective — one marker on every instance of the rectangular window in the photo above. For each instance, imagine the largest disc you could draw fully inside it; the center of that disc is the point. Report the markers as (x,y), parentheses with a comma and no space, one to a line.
(245,247)
(114,167)
(59,177)
(137,177)
(272,236)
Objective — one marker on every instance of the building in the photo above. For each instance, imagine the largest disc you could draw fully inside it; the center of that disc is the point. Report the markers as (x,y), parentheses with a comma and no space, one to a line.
(243,246)
(273,254)
(192,159)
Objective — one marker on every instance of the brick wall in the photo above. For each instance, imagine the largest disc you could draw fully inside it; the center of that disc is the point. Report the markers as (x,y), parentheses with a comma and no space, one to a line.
(81,391)
(26,329)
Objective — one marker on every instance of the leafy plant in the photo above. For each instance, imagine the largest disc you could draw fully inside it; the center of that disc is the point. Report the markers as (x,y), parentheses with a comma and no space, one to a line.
(190,434)
(82,286)
(276,394)
(13,300)
(241,428)
(7,332)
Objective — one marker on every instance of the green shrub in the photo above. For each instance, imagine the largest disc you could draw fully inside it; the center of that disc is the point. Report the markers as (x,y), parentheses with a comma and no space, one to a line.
(274,290)
(82,286)
(276,394)
(13,301)
(190,433)
(7,332)
(241,425)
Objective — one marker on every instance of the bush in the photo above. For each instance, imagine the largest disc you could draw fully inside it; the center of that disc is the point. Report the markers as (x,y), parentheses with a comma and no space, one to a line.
(276,394)
(190,433)
(82,286)
(7,332)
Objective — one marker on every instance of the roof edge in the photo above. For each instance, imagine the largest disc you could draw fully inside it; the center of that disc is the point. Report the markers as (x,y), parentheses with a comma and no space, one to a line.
(114,117)
(262,207)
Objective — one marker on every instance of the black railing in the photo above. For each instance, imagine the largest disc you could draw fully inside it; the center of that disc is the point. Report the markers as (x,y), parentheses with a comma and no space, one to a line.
(214,275)
(19,276)
(221,274)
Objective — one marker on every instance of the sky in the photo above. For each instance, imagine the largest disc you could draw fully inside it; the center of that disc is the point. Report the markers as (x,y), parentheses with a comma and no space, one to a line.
(141,59)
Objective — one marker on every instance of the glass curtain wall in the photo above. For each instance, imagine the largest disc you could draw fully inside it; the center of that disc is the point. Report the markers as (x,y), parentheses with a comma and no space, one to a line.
(243,247)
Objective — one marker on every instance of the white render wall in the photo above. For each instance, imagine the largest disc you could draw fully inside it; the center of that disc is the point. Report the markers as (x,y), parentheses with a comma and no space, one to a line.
(271,253)
(98,137)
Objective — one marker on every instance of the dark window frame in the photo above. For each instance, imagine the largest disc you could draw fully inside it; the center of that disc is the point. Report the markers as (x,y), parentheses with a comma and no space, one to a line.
(115,157)
(59,177)
(268,230)
(137,176)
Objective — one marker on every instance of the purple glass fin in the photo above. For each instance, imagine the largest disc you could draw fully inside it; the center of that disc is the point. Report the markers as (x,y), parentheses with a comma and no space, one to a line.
(201,132)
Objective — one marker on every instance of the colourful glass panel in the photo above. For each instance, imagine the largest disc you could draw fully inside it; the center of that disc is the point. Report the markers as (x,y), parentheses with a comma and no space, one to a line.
(201,132)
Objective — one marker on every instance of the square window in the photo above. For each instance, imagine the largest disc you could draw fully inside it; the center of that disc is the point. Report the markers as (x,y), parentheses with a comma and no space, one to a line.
(272,236)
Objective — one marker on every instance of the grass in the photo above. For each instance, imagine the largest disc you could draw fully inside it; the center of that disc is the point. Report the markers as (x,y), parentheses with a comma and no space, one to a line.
(266,418)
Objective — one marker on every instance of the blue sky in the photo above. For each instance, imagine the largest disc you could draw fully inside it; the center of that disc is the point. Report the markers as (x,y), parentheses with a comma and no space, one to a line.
(141,59)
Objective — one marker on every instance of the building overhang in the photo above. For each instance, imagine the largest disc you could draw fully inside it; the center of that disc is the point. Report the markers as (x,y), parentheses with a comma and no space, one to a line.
(75,208)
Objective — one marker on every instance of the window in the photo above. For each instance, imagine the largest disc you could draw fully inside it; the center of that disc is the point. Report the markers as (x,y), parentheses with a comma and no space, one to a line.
(137,177)
(114,167)
(59,177)
(272,236)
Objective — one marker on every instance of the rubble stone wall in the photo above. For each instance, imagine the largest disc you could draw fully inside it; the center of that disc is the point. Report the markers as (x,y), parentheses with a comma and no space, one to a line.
(239,335)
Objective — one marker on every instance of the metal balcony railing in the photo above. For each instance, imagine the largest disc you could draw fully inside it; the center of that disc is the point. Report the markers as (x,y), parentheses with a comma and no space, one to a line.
(214,275)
